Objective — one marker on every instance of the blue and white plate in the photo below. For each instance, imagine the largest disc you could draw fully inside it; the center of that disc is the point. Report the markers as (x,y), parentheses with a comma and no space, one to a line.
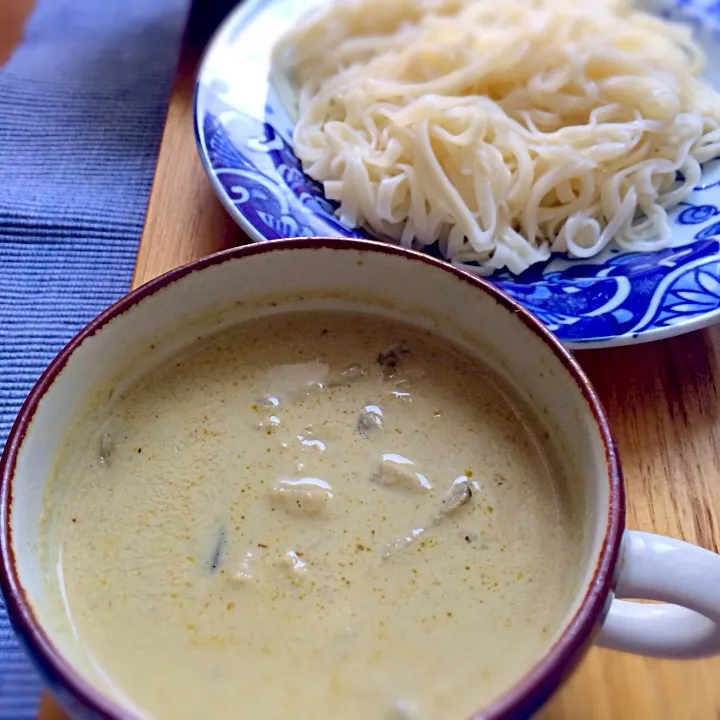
(616,298)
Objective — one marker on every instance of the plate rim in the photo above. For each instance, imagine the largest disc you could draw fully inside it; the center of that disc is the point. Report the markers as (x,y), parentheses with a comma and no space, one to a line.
(692,324)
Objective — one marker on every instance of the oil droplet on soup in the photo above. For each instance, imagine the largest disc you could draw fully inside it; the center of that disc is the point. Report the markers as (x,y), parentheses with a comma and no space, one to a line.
(316,515)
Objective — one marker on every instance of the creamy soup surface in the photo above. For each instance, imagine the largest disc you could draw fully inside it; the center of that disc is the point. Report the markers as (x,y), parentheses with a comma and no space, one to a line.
(313,515)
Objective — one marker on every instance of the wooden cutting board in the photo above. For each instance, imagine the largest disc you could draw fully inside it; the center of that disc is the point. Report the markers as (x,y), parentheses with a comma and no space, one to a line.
(13,16)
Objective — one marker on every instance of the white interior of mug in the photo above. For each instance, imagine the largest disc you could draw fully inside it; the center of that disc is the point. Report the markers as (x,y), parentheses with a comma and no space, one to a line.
(384,283)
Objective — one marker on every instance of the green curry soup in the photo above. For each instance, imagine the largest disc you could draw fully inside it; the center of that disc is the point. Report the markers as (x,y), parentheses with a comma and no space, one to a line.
(313,515)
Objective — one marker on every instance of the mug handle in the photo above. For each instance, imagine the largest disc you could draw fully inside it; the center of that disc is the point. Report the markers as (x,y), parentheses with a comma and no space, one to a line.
(655,567)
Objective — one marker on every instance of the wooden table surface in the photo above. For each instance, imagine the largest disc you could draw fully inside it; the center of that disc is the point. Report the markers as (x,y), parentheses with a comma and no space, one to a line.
(662,400)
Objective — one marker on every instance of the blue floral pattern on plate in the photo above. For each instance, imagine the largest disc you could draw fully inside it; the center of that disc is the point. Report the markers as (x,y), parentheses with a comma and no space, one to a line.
(243,134)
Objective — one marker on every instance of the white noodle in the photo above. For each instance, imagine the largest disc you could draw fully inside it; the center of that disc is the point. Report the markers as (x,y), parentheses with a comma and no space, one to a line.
(504,129)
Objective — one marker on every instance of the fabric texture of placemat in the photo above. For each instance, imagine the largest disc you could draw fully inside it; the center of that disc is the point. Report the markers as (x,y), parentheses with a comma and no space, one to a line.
(82,108)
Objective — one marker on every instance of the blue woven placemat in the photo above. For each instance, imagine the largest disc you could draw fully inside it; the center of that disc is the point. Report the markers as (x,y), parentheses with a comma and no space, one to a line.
(82,108)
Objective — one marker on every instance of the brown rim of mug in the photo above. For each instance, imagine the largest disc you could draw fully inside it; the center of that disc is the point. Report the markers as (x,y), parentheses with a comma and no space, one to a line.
(525,696)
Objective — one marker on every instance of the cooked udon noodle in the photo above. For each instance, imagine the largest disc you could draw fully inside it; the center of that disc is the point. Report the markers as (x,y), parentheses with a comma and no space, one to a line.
(505,129)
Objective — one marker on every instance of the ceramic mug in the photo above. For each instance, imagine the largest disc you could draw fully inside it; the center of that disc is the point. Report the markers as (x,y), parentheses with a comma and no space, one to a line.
(618,563)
